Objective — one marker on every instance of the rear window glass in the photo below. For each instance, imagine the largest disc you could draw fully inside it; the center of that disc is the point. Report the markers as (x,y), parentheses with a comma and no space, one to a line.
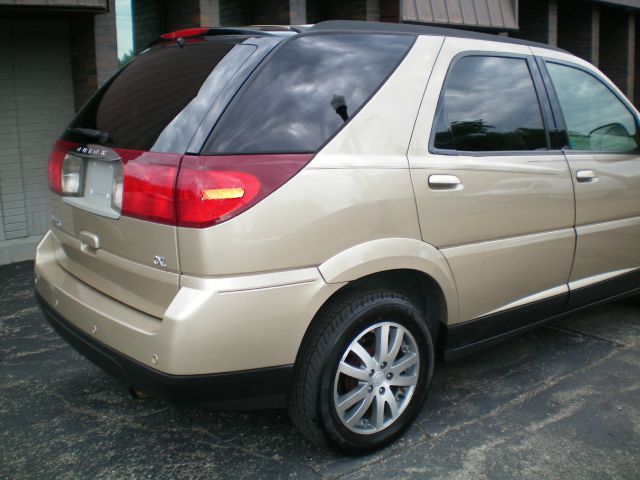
(140,104)
(306,92)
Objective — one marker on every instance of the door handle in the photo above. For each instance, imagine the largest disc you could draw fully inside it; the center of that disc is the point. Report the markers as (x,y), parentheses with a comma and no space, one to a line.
(585,176)
(444,182)
(89,242)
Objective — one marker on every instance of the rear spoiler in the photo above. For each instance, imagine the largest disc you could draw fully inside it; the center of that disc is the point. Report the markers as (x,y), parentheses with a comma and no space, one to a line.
(251,30)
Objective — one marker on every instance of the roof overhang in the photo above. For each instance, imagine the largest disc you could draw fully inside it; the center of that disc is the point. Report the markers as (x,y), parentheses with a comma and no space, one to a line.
(622,3)
(486,14)
(35,7)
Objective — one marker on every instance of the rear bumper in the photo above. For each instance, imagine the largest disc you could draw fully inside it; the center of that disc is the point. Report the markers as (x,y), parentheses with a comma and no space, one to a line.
(260,388)
(221,340)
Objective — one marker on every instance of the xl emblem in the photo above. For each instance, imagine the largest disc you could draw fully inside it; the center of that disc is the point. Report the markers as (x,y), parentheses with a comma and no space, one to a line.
(160,261)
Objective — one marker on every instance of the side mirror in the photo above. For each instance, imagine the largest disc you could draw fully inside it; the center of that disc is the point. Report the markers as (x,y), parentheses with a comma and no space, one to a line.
(613,137)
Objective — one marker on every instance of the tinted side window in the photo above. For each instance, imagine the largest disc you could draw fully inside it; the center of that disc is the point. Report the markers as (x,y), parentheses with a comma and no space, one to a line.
(306,92)
(596,119)
(489,104)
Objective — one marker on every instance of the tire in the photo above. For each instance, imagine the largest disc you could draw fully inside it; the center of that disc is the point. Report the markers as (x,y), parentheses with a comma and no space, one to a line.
(352,409)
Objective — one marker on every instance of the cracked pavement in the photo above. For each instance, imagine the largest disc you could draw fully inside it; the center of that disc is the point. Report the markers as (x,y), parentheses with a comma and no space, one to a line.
(561,401)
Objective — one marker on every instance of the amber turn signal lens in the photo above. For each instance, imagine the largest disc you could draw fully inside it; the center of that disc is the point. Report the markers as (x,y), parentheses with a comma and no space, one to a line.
(222,193)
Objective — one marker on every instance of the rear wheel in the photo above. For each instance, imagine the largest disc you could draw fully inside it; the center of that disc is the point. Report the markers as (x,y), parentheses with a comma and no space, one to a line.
(363,371)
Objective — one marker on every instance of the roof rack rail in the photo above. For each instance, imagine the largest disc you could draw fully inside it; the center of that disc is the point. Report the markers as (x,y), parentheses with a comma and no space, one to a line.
(421,29)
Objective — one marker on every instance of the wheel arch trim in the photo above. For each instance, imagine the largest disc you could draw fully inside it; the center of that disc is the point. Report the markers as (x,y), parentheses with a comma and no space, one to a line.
(394,254)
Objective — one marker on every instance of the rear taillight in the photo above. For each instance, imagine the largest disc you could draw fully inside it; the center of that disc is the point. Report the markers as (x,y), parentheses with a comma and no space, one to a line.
(73,168)
(56,160)
(148,186)
(187,191)
(213,189)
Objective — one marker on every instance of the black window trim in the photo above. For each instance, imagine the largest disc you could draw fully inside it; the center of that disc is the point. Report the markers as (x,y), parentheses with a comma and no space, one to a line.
(545,109)
(557,109)
(263,63)
(562,136)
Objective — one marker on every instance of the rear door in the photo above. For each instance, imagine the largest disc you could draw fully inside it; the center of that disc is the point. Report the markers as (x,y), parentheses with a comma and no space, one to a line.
(131,136)
(493,191)
(603,151)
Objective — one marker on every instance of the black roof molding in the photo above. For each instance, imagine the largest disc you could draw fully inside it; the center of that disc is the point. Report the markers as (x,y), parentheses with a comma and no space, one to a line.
(381,27)
(622,3)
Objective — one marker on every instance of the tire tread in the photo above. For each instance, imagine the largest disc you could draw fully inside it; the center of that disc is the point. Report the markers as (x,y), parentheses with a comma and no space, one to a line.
(302,402)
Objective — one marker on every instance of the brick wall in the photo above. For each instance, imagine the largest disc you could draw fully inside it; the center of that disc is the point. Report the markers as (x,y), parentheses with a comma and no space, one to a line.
(315,11)
(390,11)
(270,11)
(36,102)
(298,12)
(94,57)
(234,12)
(99,5)
(182,14)
(579,29)
(617,39)
(278,12)
(152,18)
(209,13)
(538,20)
(83,59)
(372,10)
(148,22)
(106,47)
(353,10)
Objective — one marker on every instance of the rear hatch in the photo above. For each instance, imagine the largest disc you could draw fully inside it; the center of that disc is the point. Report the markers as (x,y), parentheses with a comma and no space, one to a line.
(112,173)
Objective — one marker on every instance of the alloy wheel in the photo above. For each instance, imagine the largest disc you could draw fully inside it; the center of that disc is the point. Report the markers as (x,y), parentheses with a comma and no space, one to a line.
(376,378)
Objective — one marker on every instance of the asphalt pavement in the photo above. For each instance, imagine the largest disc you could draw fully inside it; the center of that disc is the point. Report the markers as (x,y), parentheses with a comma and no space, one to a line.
(559,402)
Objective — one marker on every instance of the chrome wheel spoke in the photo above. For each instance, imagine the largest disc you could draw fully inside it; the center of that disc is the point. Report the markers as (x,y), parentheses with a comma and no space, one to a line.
(405,362)
(396,344)
(378,413)
(363,355)
(345,402)
(356,416)
(404,380)
(382,343)
(390,400)
(353,372)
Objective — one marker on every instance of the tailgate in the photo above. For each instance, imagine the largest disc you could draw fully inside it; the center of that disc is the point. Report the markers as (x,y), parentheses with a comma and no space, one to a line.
(122,266)
(113,171)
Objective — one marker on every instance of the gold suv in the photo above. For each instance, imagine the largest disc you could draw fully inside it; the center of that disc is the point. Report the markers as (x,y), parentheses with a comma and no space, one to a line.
(311,216)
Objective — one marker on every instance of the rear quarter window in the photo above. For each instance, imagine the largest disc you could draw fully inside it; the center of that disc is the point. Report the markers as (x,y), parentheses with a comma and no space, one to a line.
(306,92)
